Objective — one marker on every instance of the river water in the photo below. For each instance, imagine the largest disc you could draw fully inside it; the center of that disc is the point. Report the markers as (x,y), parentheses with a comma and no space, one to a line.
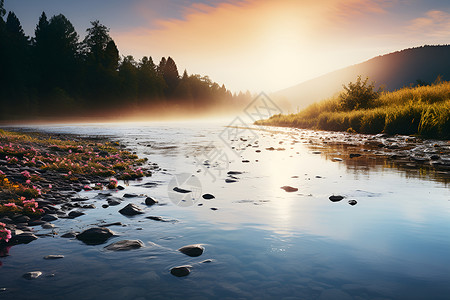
(262,242)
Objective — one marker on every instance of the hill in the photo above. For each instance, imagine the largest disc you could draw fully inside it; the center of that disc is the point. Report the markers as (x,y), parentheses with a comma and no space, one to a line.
(393,71)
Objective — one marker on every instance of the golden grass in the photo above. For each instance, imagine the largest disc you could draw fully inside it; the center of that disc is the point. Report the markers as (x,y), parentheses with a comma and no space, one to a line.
(423,111)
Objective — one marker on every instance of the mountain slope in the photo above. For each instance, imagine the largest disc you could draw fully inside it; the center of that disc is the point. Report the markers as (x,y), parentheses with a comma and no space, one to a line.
(393,71)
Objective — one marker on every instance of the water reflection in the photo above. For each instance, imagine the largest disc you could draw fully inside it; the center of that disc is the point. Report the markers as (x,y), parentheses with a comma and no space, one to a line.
(265,243)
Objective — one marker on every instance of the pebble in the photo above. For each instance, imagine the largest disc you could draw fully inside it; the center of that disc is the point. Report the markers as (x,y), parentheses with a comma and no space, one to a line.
(150,201)
(289,189)
(208,196)
(335,198)
(352,202)
(131,210)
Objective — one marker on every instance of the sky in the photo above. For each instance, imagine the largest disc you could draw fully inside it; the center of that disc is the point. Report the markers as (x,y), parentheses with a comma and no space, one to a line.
(263,45)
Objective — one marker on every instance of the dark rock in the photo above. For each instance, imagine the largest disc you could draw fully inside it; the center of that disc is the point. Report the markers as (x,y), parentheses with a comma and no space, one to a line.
(335,198)
(113,201)
(228,180)
(112,224)
(234,172)
(180,190)
(125,245)
(52,256)
(75,213)
(192,250)
(245,161)
(78,199)
(69,235)
(23,238)
(213,208)
(130,195)
(120,188)
(32,275)
(6,220)
(352,202)
(95,235)
(181,271)
(206,261)
(21,219)
(150,201)
(354,155)
(47,226)
(289,189)
(49,218)
(105,205)
(131,210)
(208,196)
(36,222)
(89,206)
(156,218)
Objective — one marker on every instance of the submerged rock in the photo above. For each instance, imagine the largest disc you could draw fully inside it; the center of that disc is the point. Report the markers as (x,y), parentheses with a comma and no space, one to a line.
(131,210)
(69,235)
(289,189)
(32,275)
(128,195)
(192,250)
(125,245)
(335,198)
(95,235)
(181,271)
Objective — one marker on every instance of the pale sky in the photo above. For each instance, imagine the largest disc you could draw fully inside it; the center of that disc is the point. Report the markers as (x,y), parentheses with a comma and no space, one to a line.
(263,45)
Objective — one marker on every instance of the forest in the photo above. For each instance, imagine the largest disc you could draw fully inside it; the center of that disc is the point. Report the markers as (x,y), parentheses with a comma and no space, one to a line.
(55,73)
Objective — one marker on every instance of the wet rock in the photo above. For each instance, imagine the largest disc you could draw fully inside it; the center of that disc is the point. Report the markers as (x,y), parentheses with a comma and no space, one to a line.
(208,196)
(105,205)
(53,256)
(112,224)
(89,206)
(120,188)
(113,201)
(234,172)
(180,190)
(23,238)
(160,219)
(245,161)
(6,220)
(79,199)
(335,198)
(69,235)
(270,148)
(95,235)
(150,201)
(21,219)
(352,155)
(181,271)
(36,222)
(32,275)
(229,180)
(289,189)
(125,245)
(192,250)
(75,214)
(336,159)
(49,218)
(352,202)
(127,195)
(47,226)
(206,261)
(213,208)
(131,210)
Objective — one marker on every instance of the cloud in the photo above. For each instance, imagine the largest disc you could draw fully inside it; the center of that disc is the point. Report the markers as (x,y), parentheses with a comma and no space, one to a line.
(434,23)
(261,44)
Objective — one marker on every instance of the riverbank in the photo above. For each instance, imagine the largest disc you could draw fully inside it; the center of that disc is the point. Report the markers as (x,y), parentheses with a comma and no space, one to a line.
(422,111)
(39,171)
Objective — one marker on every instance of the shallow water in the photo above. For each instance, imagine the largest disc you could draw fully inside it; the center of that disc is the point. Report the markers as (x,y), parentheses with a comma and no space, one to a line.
(264,243)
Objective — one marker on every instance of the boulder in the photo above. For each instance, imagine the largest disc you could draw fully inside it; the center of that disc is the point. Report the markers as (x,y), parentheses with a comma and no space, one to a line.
(95,235)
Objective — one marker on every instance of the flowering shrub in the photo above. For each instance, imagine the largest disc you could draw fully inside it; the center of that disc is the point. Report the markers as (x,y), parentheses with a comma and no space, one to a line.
(5,234)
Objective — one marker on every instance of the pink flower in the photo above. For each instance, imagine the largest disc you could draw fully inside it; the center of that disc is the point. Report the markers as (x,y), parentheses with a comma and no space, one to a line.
(50,186)
(28,181)
(10,204)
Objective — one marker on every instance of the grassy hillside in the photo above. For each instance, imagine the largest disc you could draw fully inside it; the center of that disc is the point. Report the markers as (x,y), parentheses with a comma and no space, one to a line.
(393,71)
(423,111)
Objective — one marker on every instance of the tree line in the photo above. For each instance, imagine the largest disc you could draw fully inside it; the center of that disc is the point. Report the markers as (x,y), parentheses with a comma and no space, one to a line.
(56,73)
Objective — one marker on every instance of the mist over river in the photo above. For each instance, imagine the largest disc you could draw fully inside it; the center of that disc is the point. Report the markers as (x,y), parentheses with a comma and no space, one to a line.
(270,232)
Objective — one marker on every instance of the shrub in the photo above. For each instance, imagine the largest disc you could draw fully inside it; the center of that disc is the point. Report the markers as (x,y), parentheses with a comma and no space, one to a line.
(358,95)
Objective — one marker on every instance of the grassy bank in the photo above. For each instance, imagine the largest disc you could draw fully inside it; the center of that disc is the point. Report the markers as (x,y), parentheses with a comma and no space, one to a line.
(423,111)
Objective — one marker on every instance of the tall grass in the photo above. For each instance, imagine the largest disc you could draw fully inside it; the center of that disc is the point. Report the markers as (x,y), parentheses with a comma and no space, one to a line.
(422,111)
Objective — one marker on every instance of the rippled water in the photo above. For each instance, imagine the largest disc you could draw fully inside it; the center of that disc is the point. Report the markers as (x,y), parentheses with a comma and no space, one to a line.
(264,243)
